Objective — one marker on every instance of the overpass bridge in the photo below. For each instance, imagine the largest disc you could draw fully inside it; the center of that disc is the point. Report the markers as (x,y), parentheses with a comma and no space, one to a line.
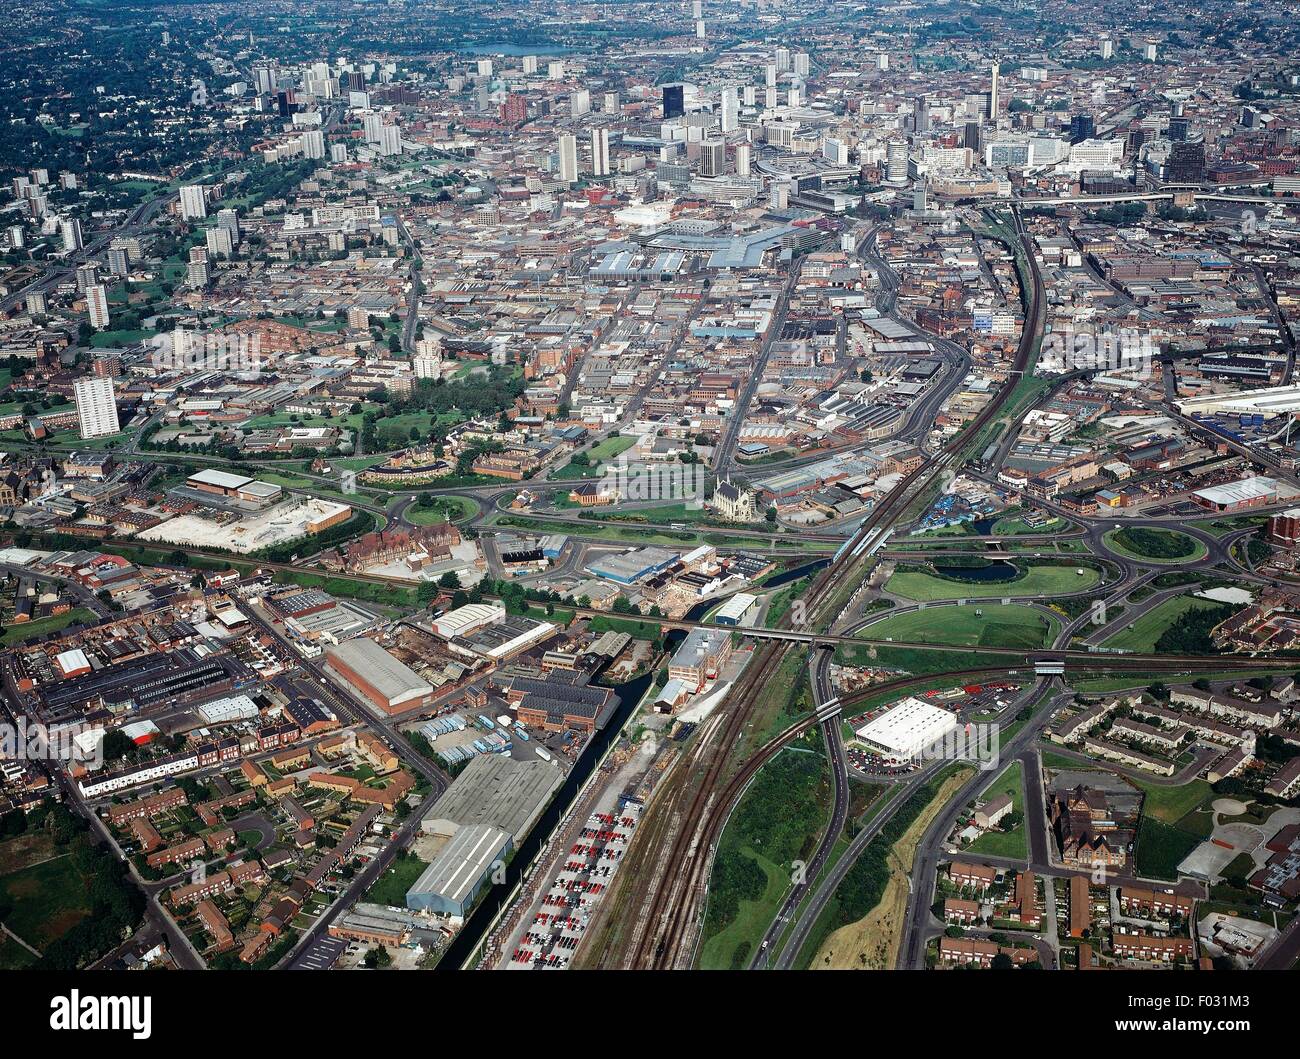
(1177,194)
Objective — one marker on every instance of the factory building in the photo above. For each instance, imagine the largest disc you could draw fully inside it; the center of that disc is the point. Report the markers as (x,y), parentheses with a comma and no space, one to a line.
(449,885)
(385,683)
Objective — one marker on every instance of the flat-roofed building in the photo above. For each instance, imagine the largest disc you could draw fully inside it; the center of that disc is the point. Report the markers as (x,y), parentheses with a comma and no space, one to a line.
(901,733)
(386,683)
(497,790)
(450,884)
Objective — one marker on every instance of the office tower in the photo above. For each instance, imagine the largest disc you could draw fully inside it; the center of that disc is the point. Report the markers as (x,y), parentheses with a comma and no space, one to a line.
(921,115)
(801,64)
(194,203)
(71,232)
(285,103)
(971,135)
(97,306)
(600,152)
(919,203)
(96,409)
(742,159)
(1178,129)
(530,65)
(568,158)
(993,94)
(313,144)
(835,151)
(1082,127)
(579,103)
(1107,48)
(356,81)
(674,100)
(730,110)
(896,162)
(780,195)
(1186,162)
(198,273)
(713,158)
(118,264)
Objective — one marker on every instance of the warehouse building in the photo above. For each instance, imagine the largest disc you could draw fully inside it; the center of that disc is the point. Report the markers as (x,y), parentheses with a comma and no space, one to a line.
(735,610)
(1237,496)
(498,790)
(633,566)
(238,486)
(508,637)
(385,683)
(902,733)
(449,885)
(467,619)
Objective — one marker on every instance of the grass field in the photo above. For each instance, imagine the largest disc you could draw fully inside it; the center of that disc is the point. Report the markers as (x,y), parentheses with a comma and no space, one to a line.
(604,450)
(1013,526)
(1170,804)
(1161,848)
(390,888)
(1038,580)
(49,898)
(1013,843)
(993,625)
(43,626)
(1148,628)
(1192,549)
(444,509)
(729,948)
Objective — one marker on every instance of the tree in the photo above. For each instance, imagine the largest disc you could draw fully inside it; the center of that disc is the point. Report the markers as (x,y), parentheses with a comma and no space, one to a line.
(378,957)
(1002,962)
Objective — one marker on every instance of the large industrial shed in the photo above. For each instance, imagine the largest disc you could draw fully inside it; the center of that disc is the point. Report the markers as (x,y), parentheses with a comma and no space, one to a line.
(387,684)
(450,884)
